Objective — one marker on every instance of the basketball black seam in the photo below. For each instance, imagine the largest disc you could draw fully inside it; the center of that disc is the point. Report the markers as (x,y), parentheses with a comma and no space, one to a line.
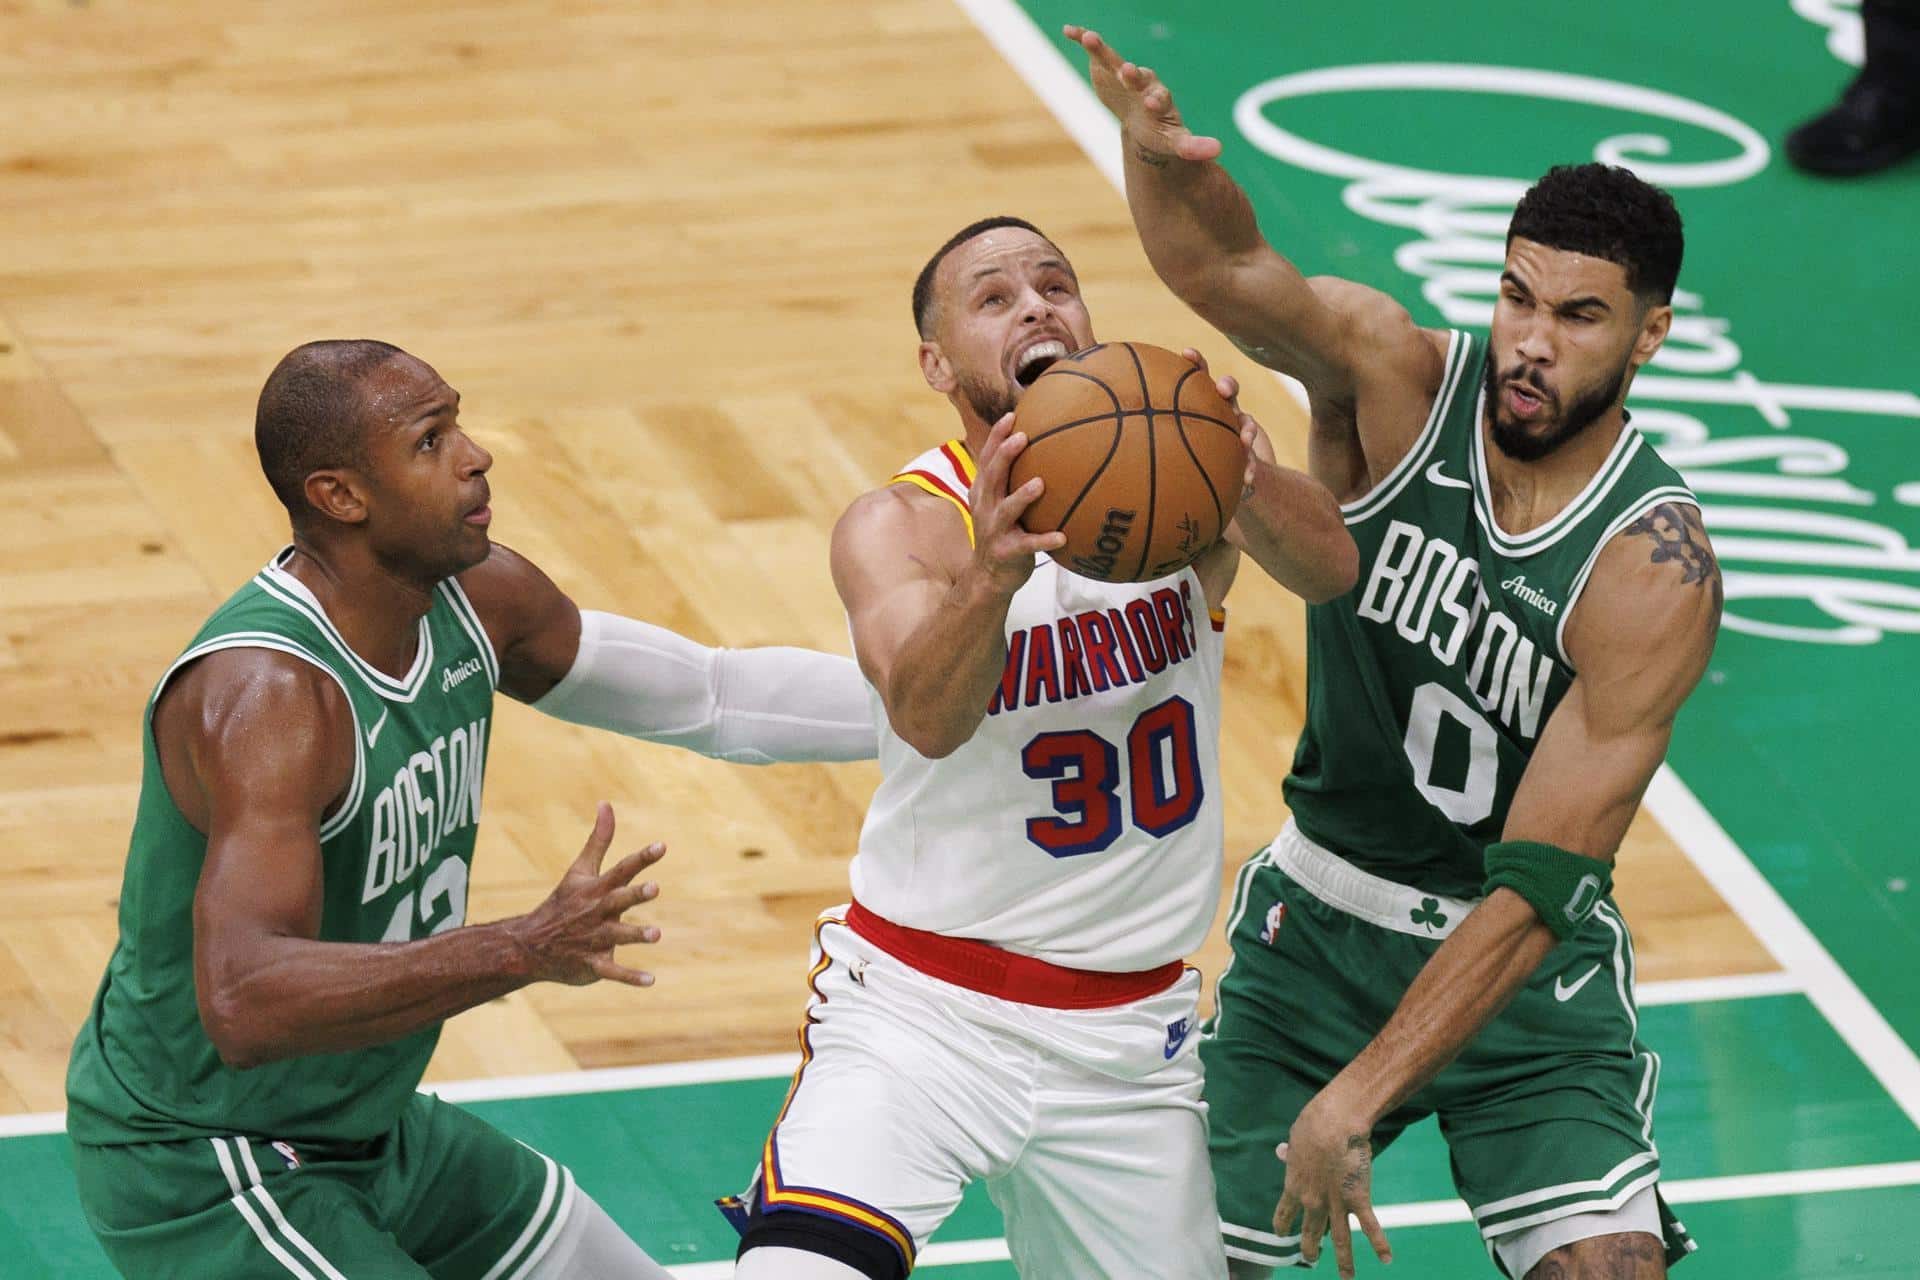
(1118,427)
(1077,422)
(1220,513)
(1180,417)
(1124,413)
(1207,417)
(1153,468)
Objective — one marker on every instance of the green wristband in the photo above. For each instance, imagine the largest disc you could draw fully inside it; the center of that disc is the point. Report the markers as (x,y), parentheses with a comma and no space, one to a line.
(1563,887)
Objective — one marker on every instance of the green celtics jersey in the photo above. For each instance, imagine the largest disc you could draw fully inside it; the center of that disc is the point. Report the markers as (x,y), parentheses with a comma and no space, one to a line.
(395,851)
(1429,684)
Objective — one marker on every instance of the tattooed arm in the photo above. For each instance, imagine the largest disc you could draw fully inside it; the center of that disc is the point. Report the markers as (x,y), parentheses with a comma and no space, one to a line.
(1639,639)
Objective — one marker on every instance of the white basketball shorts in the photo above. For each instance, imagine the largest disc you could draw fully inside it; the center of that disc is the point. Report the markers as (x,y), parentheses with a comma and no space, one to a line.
(1086,1124)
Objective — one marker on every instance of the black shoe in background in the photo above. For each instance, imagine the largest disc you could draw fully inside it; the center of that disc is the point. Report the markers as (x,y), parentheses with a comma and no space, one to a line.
(1872,126)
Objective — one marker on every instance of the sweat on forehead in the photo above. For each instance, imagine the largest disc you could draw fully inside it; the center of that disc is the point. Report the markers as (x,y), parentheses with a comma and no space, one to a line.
(398,389)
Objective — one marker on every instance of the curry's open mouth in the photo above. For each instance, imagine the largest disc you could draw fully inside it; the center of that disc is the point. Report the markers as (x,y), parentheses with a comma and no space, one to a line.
(1036,360)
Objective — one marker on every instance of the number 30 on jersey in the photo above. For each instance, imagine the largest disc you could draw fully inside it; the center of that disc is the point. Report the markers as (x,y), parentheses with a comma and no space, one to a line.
(1164,787)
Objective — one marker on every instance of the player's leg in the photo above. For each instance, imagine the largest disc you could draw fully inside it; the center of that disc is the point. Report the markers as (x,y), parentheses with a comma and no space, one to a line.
(591,1246)
(1115,1180)
(902,1098)
(533,1219)
(792,1264)
(1549,1118)
(232,1207)
(1628,1246)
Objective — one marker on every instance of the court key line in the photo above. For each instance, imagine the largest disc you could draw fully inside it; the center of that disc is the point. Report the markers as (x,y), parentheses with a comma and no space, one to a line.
(1063,90)
(1433,1213)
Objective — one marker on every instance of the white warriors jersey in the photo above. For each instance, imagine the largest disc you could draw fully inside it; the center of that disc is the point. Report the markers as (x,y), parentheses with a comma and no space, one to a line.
(1082,821)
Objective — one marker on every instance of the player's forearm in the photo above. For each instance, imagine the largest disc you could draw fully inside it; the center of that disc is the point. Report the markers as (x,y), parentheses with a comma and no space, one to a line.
(946,672)
(1291,526)
(286,997)
(1192,217)
(752,706)
(1468,981)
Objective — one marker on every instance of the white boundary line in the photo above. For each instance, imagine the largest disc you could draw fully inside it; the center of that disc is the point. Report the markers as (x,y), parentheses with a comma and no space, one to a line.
(1890,1059)
(1434,1213)
(1047,72)
(1787,939)
(780,1066)
(1739,986)
(607,1079)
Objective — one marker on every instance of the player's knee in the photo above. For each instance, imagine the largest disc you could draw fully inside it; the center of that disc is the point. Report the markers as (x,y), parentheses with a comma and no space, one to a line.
(591,1246)
(777,1263)
(803,1246)
(1627,1255)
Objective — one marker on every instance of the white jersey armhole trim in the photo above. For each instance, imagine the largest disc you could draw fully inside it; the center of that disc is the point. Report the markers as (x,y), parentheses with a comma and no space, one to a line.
(1648,501)
(1459,347)
(357,788)
(469,619)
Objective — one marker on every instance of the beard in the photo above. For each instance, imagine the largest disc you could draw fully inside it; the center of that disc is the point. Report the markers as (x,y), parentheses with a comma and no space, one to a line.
(1520,442)
(992,403)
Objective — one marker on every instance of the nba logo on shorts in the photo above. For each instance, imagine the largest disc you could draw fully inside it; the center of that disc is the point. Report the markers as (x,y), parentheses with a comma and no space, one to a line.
(287,1154)
(1275,914)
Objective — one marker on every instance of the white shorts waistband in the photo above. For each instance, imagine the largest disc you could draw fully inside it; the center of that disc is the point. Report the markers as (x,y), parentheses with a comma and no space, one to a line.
(1345,887)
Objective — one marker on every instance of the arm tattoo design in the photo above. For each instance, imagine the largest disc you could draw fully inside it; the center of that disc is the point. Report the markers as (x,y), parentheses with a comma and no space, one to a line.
(1361,1145)
(1153,159)
(1679,535)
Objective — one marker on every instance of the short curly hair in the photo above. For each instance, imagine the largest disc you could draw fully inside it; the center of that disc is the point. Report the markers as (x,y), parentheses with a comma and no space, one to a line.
(1607,212)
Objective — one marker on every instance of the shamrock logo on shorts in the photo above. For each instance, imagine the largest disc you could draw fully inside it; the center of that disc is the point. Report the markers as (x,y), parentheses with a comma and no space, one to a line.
(1430,914)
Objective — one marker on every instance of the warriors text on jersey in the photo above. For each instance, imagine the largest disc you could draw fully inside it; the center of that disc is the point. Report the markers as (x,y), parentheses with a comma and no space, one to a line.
(1428,685)
(396,851)
(1082,821)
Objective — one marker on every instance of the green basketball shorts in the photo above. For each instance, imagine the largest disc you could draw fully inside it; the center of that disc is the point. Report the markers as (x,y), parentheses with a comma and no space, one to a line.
(1548,1113)
(443,1194)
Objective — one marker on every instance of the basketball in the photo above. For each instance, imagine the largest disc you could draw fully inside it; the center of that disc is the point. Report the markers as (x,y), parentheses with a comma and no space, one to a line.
(1142,460)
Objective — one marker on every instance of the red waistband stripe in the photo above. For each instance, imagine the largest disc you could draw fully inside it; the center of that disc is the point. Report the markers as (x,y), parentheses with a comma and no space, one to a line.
(994,971)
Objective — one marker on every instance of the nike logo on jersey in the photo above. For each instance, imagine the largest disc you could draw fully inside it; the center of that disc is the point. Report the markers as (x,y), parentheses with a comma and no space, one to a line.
(373,734)
(1177,1036)
(1436,476)
(1563,993)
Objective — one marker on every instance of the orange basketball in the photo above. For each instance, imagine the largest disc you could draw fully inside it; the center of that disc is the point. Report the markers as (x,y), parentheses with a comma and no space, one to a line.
(1142,460)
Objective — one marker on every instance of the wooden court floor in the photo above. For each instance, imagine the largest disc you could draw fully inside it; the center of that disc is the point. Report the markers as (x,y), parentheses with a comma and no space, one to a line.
(664,250)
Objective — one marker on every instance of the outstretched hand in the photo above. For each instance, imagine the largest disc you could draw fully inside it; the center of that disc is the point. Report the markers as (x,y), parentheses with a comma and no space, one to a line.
(1141,103)
(1002,548)
(1329,1155)
(571,936)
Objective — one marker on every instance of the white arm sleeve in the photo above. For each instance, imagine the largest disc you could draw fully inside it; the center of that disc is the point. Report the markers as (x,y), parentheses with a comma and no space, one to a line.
(751,706)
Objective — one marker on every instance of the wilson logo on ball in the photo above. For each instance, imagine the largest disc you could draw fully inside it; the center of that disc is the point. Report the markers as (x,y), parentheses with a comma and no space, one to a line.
(1114,532)
(1141,457)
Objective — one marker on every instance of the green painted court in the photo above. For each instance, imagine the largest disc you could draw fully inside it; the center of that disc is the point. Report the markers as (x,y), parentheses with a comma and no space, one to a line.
(1383,143)
(1784,1156)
